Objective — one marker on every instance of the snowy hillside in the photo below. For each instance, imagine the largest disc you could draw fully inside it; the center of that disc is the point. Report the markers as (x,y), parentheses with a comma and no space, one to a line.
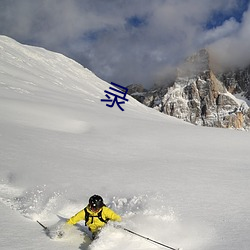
(179,184)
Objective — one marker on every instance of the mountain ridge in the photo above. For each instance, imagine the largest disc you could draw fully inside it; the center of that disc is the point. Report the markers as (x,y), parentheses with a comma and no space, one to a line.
(202,96)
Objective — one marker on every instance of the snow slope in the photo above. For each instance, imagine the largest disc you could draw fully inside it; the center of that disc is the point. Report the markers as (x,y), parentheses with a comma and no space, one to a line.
(173,182)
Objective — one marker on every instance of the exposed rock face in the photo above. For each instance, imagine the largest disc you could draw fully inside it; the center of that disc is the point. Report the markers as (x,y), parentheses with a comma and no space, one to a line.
(237,81)
(137,91)
(199,97)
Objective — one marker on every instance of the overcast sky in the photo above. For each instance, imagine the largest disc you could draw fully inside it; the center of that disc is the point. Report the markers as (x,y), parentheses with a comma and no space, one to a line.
(131,41)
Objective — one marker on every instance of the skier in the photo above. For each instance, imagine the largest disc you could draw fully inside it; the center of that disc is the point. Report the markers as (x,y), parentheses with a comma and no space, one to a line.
(95,214)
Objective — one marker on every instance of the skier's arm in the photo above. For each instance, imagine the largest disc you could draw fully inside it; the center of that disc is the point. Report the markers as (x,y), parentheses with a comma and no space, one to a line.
(77,217)
(110,214)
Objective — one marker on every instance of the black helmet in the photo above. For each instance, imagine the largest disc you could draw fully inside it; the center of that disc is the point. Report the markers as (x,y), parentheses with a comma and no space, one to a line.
(96,202)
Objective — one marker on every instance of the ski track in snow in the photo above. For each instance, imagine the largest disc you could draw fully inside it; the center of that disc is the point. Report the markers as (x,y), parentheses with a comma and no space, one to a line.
(43,117)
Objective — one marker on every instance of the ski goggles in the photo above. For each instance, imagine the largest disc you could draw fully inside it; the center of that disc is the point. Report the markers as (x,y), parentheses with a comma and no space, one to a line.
(94,208)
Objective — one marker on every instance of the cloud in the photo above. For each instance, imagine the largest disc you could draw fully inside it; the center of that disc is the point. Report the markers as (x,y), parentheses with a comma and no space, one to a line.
(228,28)
(125,41)
(232,50)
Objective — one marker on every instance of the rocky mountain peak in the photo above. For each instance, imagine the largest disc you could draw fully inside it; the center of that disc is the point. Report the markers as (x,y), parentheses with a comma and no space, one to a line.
(200,96)
(196,64)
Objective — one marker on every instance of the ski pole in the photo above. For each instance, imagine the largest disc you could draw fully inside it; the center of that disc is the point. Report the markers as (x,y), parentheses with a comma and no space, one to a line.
(45,228)
(146,238)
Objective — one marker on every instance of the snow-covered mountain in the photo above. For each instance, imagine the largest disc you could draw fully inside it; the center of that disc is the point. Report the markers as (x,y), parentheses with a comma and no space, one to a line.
(182,185)
(201,96)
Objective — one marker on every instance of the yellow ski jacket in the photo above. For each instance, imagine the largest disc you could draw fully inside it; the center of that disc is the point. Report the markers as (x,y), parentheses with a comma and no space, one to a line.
(94,223)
